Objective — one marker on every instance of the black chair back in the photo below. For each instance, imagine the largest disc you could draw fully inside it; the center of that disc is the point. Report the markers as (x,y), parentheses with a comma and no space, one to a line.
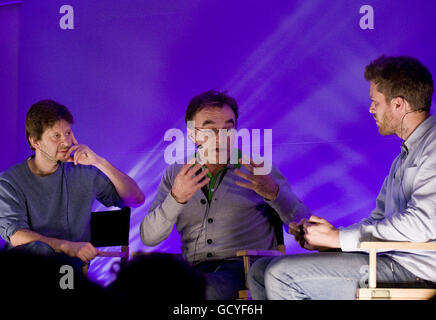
(275,221)
(110,228)
(278,227)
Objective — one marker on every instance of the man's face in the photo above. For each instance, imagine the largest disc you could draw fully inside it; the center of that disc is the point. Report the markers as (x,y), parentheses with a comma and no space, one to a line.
(214,118)
(382,111)
(56,141)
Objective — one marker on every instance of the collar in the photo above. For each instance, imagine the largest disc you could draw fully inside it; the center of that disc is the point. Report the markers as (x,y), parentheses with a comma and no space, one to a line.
(196,156)
(418,133)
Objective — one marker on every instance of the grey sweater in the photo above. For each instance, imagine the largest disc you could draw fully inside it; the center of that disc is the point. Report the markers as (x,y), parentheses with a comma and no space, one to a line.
(235,218)
(58,205)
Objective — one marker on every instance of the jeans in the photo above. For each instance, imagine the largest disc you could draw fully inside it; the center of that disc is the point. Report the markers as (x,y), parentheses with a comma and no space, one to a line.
(43,249)
(224,278)
(324,276)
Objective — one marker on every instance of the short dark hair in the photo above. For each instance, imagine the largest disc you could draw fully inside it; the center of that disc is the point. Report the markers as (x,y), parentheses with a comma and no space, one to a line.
(210,98)
(43,115)
(404,77)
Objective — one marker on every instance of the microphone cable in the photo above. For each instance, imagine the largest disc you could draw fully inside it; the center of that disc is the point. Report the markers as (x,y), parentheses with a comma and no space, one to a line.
(64,176)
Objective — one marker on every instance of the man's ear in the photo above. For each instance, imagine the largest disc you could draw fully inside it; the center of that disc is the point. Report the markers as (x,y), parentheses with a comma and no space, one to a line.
(191,133)
(190,130)
(34,143)
(399,104)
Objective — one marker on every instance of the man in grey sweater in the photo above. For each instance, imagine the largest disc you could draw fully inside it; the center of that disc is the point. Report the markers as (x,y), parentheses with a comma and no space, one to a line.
(401,90)
(45,201)
(215,212)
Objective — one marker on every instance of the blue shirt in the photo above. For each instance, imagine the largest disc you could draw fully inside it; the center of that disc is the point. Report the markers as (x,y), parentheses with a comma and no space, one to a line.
(57,205)
(406,205)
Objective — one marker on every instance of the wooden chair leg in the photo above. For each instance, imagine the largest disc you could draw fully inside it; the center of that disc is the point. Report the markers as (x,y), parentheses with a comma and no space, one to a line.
(246,268)
(85,269)
(125,249)
(372,268)
(245,294)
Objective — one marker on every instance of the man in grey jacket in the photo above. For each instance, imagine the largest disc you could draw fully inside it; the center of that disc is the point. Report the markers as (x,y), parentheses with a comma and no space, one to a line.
(214,211)
(401,90)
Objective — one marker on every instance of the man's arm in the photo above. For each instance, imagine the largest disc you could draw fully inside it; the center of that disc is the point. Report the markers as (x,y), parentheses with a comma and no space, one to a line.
(126,187)
(416,223)
(319,234)
(169,202)
(351,236)
(82,250)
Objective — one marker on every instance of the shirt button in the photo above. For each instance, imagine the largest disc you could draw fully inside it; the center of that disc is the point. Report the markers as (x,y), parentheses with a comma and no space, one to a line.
(209,255)
(203,201)
(210,220)
(209,241)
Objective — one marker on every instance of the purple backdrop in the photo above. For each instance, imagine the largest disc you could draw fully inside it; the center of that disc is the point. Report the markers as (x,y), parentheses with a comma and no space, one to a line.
(129,68)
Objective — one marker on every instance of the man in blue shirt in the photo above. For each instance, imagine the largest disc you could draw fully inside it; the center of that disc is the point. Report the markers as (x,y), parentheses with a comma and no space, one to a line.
(45,201)
(401,90)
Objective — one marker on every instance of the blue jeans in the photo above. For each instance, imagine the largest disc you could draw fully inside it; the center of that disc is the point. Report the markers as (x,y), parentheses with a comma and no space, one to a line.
(224,278)
(324,276)
(43,249)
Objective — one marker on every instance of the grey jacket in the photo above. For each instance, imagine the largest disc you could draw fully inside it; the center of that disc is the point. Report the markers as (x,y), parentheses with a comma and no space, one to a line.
(235,219)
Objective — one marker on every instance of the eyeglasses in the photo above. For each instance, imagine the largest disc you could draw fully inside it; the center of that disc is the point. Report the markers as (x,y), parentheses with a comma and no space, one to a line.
(209,131)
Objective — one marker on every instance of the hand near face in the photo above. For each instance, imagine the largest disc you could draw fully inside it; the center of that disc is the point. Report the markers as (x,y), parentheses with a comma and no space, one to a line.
(82,154)
(186,183)
(263,185)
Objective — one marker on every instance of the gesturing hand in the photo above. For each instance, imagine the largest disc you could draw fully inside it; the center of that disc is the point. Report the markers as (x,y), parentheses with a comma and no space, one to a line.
(263,185)
(186,183)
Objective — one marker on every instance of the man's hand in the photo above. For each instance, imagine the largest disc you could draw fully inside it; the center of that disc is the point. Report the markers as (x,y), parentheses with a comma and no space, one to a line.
(85,251)
(319,233)
(82,154)
(186,183)
(297,230)
(263,185)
